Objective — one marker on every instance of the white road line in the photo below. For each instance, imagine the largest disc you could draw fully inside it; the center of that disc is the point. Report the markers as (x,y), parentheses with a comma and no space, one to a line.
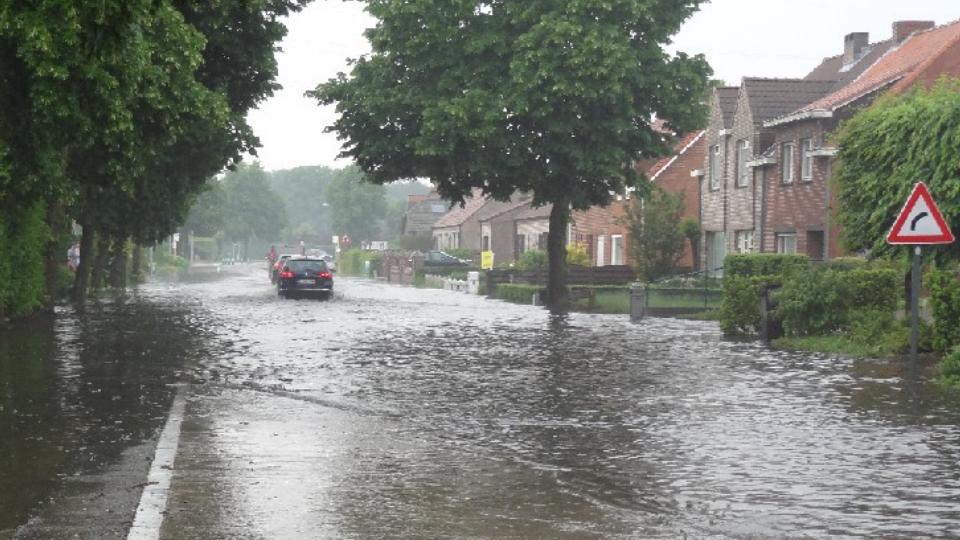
(153,502)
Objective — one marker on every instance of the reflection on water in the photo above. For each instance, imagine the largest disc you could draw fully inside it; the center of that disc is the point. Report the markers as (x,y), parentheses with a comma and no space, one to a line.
(76,389)
(400,412)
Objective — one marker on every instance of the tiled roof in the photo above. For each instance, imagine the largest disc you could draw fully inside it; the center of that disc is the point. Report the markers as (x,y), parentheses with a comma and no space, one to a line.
(902,64)
(458,215)
(833,69)
(770,98)
(540,212)
(487,214)
(728,96)
(679,149)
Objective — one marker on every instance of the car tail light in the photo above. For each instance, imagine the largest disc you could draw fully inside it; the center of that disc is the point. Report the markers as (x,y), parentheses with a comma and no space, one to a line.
(286,274)
(324,275)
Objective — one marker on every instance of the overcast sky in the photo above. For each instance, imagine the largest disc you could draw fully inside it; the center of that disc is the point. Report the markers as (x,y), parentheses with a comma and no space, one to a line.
(764,38)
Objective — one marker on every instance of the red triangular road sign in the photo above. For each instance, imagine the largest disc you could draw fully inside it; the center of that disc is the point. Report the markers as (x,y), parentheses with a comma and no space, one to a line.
(920,221)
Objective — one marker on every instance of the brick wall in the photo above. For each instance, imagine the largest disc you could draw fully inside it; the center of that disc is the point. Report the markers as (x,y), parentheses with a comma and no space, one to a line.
(587,225)
(676,179)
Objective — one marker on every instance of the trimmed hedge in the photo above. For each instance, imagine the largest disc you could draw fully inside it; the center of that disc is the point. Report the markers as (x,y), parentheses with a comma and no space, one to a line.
(944,290)
(351,261)
(517,293)
(763,264)
(822,301)
(950,369)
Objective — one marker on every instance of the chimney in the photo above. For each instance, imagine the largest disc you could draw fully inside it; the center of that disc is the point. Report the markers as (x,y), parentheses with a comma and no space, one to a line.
(903,29)
(853,45)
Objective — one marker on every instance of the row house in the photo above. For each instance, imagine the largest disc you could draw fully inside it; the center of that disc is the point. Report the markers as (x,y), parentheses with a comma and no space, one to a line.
(765,182)
(467,227)
(602,230)
(423,211)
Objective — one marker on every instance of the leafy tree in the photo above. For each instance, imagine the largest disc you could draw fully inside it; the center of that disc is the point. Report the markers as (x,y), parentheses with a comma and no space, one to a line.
(357,207)
(690,229)
(553,98)
(303,191)
(252,209)
(207,214)
(888,147)
(656,240)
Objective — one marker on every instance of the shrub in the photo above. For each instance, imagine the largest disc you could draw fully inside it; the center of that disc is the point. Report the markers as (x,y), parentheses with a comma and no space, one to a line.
(763,264)
(950,368)
(740,307)
(23,242)
(820,301)
(532,260)
(944,290)
(351,261)
(517,293)
(577,254)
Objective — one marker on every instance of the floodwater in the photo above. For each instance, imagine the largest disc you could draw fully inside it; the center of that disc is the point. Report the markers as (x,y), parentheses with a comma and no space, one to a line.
(397,412)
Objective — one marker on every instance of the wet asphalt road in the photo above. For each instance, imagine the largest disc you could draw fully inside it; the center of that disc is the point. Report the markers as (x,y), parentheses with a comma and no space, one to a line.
(394,412)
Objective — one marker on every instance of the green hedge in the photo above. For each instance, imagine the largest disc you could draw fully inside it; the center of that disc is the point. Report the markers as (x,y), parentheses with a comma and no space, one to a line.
(950,369)
(517,293)
(763,264)
(944,290)
(23,244)
(740,307)
(351,262)
(821,301)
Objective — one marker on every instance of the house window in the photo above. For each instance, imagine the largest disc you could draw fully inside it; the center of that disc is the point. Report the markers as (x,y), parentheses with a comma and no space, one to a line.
(714,166)
(616,249)
(743,154)
(806,161)
(542,241)
(744,241)
(787,161)
(485,243)
(786,243)
(601,247)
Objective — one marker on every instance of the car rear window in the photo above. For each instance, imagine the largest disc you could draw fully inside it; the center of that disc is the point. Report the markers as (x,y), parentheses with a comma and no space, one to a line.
(307,266)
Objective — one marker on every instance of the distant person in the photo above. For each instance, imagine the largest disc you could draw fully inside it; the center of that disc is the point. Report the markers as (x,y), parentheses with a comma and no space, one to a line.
(272,256)
(73,257)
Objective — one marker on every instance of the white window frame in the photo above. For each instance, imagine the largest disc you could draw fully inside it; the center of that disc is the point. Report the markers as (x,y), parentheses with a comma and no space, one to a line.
(743,155)
(806,160)
(744,241)
(787,243)
(601,249)
(787,152)
(616,250)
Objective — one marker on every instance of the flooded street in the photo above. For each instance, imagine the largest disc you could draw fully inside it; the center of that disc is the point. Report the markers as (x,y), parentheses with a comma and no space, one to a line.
(397,412)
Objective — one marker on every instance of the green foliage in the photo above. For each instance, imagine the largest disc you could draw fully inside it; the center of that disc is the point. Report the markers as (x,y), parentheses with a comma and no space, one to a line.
(577,255)
(23,241)
(763,264)
(884,150)
(517,293)
(252,208)
(532,260)
(465,254)
(351,262)
(950,369)
(823,301)
(303,192)
(490,95)
(656,239)
(690,229)
(357,206)
(944,290)
(166,262)
(740,307)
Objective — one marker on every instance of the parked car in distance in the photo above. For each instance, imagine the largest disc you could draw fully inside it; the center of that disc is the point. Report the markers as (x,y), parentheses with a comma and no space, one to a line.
(305,275)
(331,262)
(275,269)
(439,258)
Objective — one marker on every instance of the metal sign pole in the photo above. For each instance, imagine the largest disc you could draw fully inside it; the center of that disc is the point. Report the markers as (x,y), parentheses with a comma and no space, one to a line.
(914,307)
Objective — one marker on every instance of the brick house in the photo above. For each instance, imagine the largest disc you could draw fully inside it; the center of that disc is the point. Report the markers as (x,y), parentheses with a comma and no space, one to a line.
(421,214)
(461,227)
(602,230)
(498,232)
(532,226)
(731,193)
(799,206)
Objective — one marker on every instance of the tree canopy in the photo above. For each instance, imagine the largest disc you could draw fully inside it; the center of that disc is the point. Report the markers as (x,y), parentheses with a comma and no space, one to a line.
(357,208)
(884,150)
(553,98)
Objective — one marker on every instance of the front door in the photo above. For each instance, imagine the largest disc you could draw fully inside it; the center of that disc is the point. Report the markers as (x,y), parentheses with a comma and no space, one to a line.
(716,252)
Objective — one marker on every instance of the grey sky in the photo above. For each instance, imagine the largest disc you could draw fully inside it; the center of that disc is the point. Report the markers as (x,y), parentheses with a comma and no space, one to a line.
(765,38)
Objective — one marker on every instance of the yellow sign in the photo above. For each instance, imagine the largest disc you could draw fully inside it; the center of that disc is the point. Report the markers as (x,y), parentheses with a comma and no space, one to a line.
(486,260)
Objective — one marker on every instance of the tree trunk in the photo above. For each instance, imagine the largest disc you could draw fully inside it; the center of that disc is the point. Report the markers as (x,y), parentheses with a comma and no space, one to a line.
(81,283)
(99,262)
(118,265)
(55,221)
(137,255)
(557,296)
